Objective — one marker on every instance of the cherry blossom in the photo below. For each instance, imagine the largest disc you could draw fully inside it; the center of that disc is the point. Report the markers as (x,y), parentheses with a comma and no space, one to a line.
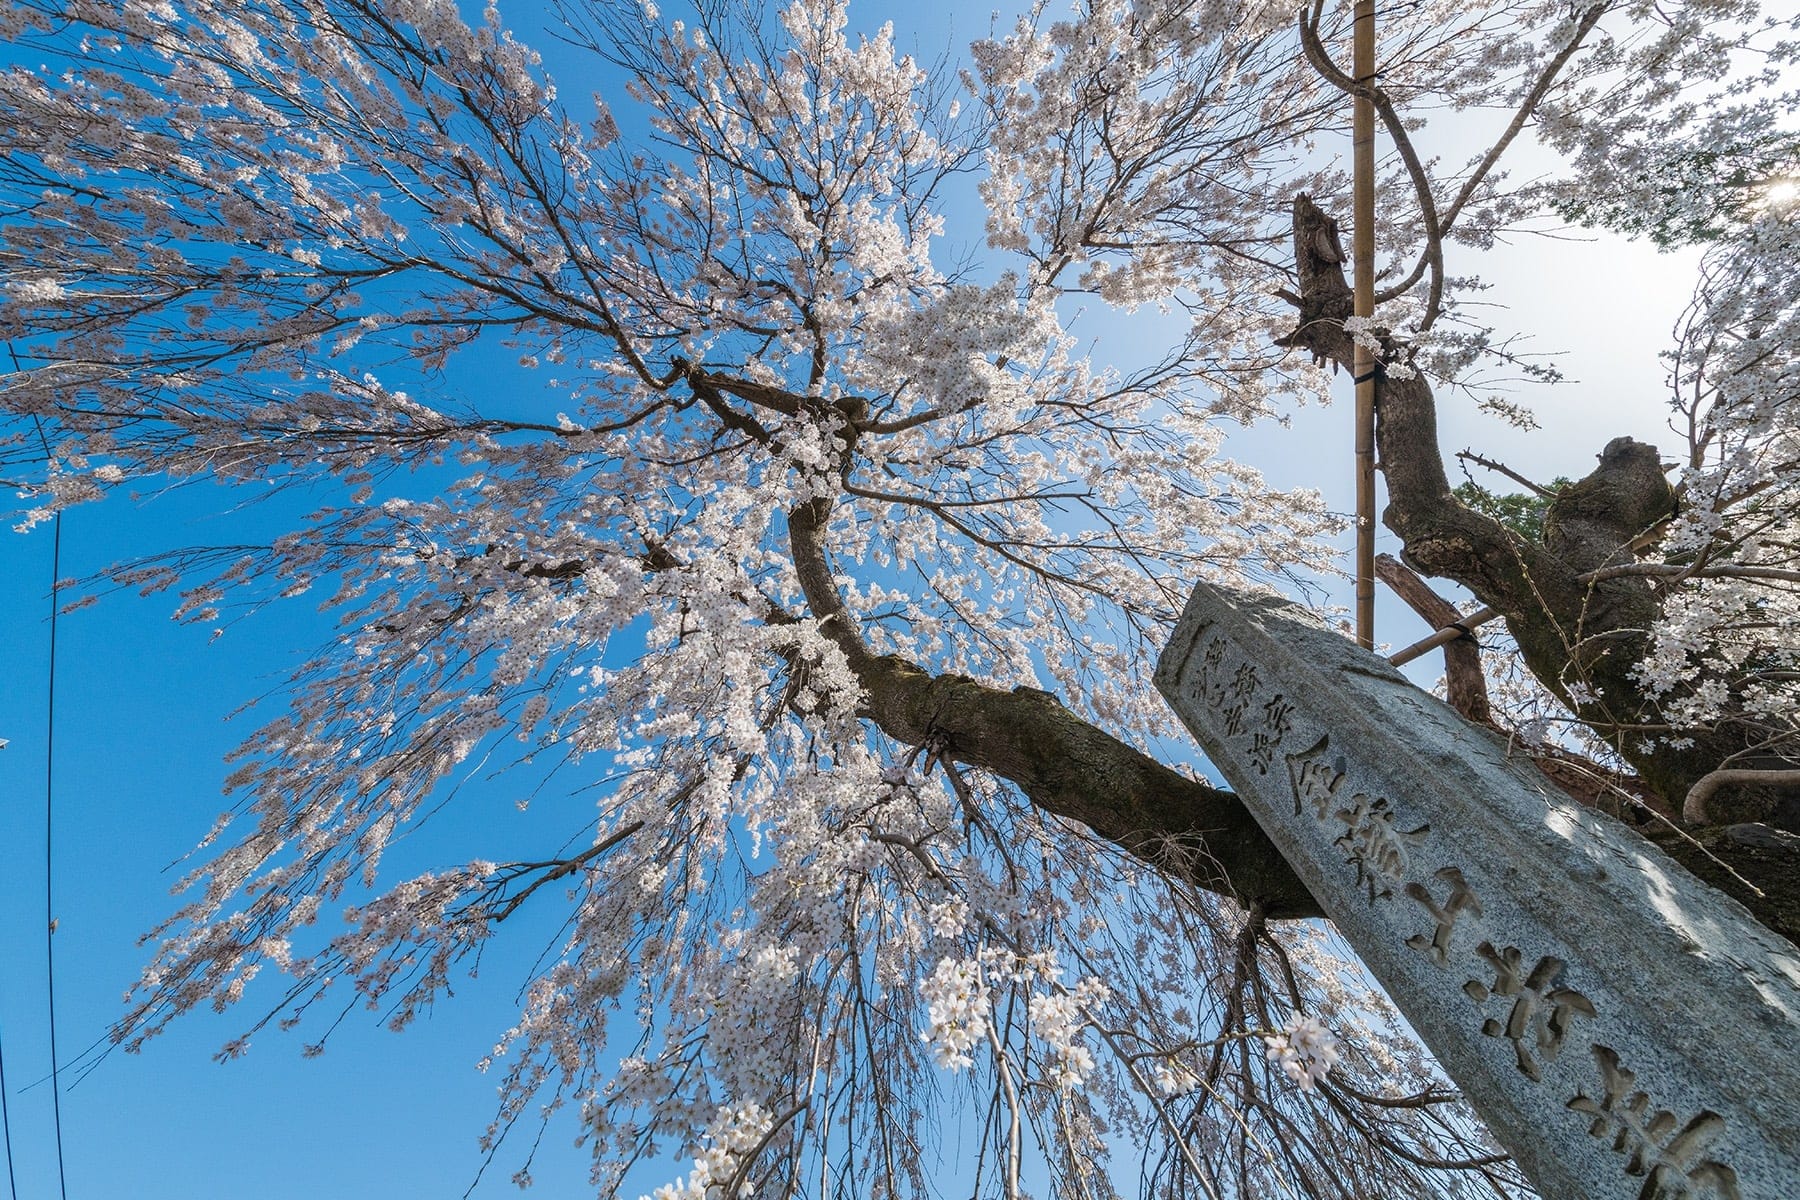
(811,559)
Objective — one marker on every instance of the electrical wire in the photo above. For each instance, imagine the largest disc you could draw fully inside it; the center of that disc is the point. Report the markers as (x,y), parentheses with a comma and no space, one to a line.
(12,1185)
(62,1183)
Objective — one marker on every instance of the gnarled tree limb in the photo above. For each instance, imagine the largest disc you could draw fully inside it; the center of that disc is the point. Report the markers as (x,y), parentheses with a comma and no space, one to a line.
(1577,604)
(1061,763)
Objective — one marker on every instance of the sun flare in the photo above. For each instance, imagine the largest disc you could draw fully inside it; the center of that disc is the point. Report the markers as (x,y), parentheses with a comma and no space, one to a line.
(1780,195)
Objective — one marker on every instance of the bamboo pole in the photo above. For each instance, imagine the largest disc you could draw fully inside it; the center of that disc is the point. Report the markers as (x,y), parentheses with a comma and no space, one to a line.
(1444,636)
(1363,305)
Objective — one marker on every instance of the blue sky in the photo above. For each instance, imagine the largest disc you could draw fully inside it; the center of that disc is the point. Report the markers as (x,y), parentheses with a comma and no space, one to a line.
(141,734)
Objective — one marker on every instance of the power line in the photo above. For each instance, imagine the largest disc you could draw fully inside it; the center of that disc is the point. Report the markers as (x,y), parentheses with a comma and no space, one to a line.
(62,1183)
(12,1185)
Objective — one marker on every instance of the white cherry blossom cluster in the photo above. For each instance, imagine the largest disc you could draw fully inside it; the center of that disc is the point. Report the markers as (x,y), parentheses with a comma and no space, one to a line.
(769,974)
(1056,1018)
(735,1133)
(1380,339)
(948,919)
(957,1009)
(1171,1079)
(1727,644)
(1305,1050)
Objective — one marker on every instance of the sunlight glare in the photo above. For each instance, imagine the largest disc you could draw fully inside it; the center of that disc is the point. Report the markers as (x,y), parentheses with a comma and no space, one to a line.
(1781,195)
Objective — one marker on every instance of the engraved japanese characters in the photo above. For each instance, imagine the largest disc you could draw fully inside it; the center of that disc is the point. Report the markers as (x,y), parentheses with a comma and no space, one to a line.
(1527,940)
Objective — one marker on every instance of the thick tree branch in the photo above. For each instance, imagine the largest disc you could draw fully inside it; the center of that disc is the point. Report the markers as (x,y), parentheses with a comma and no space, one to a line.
(1060,762)
(1441,535)
(1694,806)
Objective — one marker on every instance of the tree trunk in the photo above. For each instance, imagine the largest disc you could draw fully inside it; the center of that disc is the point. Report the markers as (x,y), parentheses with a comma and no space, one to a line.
(1579,636)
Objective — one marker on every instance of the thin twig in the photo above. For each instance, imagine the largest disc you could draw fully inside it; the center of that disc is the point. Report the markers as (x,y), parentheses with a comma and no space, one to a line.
(1502,468)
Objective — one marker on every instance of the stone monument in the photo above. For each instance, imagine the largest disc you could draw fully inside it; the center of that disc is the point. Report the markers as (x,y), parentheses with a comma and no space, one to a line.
(1626,1031)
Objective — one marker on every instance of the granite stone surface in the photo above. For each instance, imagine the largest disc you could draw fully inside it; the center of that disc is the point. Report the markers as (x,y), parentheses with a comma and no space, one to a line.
(1625,1030)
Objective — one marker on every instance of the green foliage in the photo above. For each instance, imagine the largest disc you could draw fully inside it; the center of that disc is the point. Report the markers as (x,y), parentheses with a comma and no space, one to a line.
(1521,512)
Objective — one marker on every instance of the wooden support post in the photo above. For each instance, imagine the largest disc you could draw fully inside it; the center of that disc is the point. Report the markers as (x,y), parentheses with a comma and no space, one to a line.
(1444,636)
(1464,686)
(1363,305)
